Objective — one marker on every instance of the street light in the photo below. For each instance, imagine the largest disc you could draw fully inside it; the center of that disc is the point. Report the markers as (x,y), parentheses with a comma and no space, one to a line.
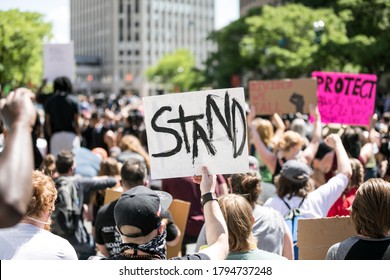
(319,27)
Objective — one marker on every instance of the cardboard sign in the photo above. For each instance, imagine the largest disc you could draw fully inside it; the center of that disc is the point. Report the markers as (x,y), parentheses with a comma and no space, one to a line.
(316,236)
(283,96)
(111,195)
(58,60)
(346,98)
(188,130)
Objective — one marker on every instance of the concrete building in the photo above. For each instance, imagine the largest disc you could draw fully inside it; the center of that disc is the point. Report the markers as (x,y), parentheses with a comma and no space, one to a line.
(246,5)
(120,39)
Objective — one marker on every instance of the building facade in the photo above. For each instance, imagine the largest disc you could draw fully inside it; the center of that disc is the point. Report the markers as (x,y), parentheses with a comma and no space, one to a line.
(246,5)
(125,37)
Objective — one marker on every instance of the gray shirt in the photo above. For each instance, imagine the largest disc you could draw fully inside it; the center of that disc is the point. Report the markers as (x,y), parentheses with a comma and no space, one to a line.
(269,229)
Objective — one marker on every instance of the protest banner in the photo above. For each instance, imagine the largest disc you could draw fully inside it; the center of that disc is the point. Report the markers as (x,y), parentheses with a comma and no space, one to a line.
(188,130)
(346,98)
(58,60)
(316,236)
(283,96)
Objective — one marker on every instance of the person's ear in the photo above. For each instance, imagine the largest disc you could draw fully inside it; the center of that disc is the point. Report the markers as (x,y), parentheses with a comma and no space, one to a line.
(162,226)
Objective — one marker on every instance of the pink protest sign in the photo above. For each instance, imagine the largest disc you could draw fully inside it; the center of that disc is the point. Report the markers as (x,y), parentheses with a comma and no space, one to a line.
(345,98)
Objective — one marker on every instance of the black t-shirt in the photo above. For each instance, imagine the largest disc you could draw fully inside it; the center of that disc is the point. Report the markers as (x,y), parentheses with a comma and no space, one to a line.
(107,234)
(62,109)
(369,250)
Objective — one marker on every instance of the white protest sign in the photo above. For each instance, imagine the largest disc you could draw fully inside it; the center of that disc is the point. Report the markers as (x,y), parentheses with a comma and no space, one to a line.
(188,130)
(58,60)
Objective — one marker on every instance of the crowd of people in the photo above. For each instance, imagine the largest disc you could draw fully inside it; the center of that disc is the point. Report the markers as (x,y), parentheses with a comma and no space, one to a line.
(61,152)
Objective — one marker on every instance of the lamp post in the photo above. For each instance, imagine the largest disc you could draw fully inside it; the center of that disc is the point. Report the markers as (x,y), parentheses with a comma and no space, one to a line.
(319,27)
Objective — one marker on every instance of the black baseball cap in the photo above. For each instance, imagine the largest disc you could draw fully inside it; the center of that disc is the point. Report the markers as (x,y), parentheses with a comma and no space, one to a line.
(141,207)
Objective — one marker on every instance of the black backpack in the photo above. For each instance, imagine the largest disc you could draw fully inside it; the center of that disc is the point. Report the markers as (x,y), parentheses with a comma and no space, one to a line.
(66,213)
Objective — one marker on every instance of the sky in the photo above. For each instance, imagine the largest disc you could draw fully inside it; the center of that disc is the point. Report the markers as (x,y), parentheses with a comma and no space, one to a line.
(57,12)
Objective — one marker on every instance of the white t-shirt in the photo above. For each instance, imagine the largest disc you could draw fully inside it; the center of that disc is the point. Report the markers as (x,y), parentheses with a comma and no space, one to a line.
(317,203)
(28,242)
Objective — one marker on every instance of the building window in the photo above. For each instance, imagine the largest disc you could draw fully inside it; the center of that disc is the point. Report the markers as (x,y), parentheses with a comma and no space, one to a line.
(121,30)
(128,10)
(120,6)
(136,6)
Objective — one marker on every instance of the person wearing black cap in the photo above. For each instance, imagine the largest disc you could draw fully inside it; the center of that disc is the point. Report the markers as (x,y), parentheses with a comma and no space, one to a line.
(108,239)
(138,217)
(295,186)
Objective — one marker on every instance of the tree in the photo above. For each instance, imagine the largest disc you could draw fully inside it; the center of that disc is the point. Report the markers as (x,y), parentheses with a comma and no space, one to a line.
(285,43)
(176,72)
(278,42)
(368,27)
(21,37)
(227,61)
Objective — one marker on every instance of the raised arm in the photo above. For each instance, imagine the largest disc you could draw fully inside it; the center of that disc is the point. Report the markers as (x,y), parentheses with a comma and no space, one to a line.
(16,161)
(280,126)
(267,157)
(312,147)
(367,149)
(343,164)
(216,229)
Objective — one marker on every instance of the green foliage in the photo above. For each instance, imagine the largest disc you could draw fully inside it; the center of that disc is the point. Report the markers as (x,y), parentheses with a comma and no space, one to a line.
(315,4)
(21,38)
(281,42)
(176,72)
(285,43)
(227,61)
(368,27)
(368,17)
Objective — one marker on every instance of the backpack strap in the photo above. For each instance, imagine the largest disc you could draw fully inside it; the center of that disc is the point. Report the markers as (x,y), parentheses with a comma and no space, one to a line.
(288,206)
(300,203)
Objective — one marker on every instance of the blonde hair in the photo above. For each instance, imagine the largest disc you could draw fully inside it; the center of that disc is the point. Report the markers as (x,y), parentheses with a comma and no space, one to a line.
(239,219)
(132,143)
(289,139)
(44,194)
(265,130)
(371,208)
